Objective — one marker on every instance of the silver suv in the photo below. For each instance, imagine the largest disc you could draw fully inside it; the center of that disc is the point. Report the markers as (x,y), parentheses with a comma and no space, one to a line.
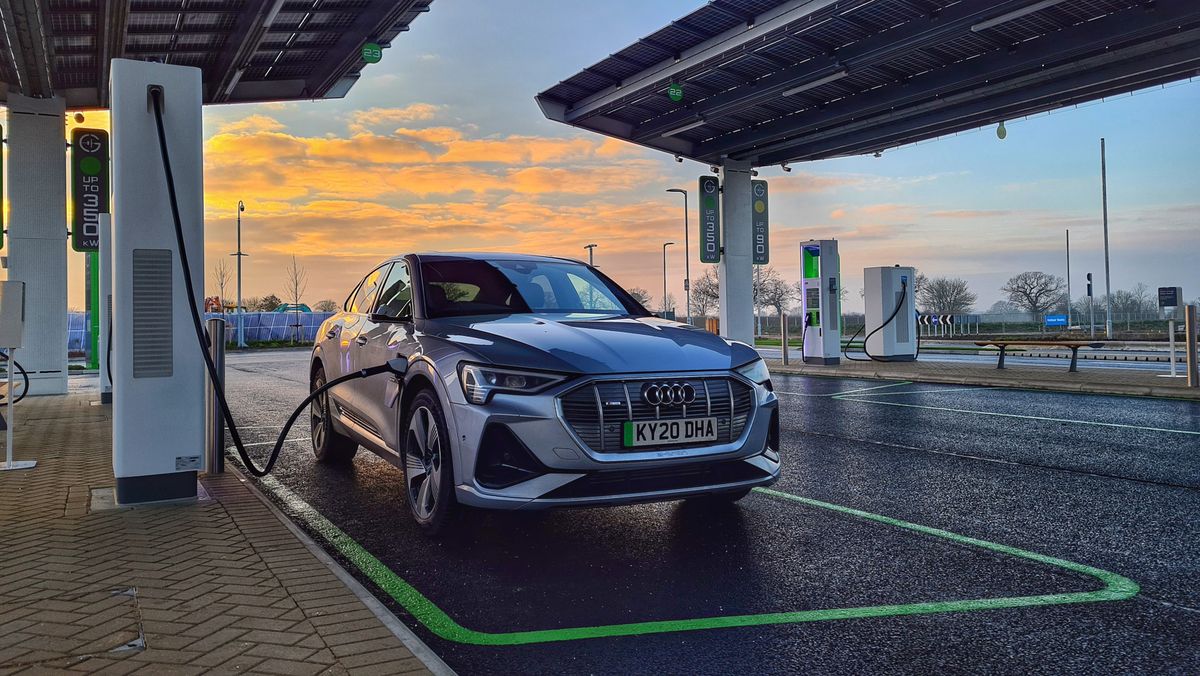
(537,382)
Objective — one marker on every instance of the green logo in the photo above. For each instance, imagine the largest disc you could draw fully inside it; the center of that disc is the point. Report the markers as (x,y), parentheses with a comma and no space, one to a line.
(675,92)
(90,166)
(372,53)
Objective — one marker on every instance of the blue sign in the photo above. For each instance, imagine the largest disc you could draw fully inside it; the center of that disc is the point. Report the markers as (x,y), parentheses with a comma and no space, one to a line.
(1056,320)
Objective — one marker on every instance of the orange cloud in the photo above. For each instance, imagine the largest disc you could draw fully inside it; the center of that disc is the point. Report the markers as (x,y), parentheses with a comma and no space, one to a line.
(372,118)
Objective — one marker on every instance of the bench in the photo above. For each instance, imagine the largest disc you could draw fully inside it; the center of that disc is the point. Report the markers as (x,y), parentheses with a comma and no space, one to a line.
(1073,345)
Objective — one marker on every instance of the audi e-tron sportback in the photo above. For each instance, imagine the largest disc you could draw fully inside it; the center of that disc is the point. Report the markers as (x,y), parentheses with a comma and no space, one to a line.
(537,382)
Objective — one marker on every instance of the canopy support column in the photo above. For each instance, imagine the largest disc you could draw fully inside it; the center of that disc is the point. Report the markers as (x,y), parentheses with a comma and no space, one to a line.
(736,269)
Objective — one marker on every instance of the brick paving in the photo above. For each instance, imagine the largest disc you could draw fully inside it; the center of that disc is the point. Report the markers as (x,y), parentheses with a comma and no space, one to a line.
(219,585)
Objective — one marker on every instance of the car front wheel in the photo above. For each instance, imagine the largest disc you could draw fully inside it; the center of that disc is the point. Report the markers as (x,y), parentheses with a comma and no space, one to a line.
(428,474)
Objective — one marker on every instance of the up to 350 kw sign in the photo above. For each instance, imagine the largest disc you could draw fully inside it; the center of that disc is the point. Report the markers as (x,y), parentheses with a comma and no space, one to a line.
(710,221)
(89,186)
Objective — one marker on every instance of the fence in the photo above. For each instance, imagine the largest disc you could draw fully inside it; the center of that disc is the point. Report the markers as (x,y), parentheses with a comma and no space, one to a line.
(260,327)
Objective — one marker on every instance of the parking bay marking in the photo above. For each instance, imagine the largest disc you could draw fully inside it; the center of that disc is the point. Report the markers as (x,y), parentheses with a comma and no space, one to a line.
(837,394)
(1116,587)
(1017,415)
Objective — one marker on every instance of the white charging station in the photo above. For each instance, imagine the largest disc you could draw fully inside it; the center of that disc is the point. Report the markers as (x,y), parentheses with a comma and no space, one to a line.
(891,330)
(821,284)
(157,368)
(12,332)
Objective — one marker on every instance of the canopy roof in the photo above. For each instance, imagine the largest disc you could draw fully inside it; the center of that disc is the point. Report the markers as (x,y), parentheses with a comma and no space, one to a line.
(249,50)
(770,81)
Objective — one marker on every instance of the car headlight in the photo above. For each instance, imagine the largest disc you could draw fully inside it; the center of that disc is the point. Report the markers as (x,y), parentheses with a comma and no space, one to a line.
(757,372)
(479,381)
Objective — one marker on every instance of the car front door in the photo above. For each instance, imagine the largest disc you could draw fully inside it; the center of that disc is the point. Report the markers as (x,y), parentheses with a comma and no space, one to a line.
(386,333)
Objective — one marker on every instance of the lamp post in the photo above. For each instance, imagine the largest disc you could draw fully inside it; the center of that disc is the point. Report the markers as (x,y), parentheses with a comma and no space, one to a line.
(687,256)
(664,303)
(1107,276)
(241,332)
(591,249)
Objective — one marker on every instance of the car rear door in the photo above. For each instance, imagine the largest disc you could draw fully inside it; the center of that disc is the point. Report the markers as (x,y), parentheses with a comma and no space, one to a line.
(343,338)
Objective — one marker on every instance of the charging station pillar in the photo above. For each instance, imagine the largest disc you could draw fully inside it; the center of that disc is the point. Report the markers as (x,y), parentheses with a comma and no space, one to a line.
(890,297)
(157,366)
(37,234)
(820,301)
(736,271)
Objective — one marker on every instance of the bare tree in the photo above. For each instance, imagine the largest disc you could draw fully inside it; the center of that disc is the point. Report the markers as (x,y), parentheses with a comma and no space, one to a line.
(706,292)
(668,303)
(778,294)
(641,295)
(326,306)
(297,284)
(946,295)
(1035,292)
(221,275)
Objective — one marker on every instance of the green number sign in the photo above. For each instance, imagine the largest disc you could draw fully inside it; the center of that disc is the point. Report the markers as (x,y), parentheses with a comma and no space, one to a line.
(372,52)
(675,92)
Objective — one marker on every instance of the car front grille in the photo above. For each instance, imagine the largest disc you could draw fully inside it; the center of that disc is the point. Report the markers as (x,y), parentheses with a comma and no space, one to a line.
(596,411)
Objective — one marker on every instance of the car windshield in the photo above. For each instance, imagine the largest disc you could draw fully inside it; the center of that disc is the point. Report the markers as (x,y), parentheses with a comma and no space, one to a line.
(456,287)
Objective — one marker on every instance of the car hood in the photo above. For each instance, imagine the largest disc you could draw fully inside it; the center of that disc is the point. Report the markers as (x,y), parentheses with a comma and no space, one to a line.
(591,344)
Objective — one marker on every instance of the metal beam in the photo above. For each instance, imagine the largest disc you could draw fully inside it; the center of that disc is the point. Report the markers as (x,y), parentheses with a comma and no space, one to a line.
(248,32)
(370,23)
(114,22)
(23,31)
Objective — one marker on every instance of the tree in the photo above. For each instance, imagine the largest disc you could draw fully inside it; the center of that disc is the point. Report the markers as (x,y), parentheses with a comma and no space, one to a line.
(1002,307)
(1035,292)
(641,295)
(325,306)
(221,275)
(268,303)
(778,294)
(706,293)
(1133,301)
(945,295)
(668,303)
(297,279)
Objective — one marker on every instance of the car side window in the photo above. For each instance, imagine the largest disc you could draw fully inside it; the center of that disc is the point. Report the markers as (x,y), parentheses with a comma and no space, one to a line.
(361,303)
(395,300)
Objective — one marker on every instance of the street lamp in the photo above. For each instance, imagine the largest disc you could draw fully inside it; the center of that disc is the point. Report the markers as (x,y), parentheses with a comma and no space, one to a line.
(591,249)
(241,332)
(665,245)
(687,256)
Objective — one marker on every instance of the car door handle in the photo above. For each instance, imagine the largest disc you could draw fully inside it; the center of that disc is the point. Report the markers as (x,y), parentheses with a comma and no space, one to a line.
(361,340)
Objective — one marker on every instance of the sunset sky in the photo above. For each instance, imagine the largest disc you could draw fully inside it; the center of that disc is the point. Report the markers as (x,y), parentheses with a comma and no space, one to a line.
(440,146)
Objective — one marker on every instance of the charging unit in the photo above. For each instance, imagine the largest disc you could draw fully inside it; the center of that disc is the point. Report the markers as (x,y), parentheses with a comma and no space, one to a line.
(891,316)
(104,256)
(12,332)
(821,284)
(157,371)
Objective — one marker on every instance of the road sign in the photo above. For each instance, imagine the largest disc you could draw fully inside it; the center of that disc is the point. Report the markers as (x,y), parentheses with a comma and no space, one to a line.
(1170,296)
(759,223)
(710,219)
(372,52)
(1056,320)
(89,186)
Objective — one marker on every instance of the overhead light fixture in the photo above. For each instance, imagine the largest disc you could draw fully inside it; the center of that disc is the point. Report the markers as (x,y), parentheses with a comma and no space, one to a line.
(878,153)
(1015,14)
(1001,132)
(233,81)
(784,166)
(687,127)
(679,159)
(816,83)
(714,169)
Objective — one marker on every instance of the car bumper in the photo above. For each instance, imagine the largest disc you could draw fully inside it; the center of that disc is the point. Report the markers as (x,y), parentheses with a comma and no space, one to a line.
(572,474)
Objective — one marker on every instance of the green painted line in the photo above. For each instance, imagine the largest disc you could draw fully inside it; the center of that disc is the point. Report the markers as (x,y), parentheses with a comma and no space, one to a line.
(1023,417)
(1116,587)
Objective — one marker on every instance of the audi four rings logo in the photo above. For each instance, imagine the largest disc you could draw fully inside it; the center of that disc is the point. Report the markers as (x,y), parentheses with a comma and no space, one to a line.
(668,394)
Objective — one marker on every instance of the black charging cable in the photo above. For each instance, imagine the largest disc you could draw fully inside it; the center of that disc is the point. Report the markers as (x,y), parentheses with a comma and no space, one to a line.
(13,363)
(808,322)
(877,329)
(396,366)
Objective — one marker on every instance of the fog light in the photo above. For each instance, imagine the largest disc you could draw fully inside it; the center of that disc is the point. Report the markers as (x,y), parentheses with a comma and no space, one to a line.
(503,460)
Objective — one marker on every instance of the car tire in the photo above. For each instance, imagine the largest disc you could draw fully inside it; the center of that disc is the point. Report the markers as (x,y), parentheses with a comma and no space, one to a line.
(716,499)
(428,468)
(330,446)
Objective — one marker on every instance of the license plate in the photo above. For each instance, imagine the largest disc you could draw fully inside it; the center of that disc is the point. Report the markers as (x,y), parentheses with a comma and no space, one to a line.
(662,432)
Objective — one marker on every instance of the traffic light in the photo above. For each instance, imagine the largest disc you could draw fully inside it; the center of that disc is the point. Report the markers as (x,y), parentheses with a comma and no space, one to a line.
(1089,278)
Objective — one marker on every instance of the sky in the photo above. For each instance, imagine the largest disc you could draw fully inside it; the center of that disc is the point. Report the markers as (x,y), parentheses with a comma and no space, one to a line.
(441,146)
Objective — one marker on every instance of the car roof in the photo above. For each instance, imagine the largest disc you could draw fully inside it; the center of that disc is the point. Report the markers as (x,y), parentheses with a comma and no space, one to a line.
(484,256)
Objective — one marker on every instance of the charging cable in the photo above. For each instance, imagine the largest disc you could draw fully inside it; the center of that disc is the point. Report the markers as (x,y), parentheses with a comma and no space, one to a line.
(13,363)
(397,366)
(804,333)
(877,329)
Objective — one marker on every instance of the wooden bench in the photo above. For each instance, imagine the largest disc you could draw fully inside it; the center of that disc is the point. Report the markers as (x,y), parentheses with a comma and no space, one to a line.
(1073,345)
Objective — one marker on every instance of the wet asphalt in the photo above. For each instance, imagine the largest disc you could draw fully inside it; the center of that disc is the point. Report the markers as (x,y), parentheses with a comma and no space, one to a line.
(1110,482)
